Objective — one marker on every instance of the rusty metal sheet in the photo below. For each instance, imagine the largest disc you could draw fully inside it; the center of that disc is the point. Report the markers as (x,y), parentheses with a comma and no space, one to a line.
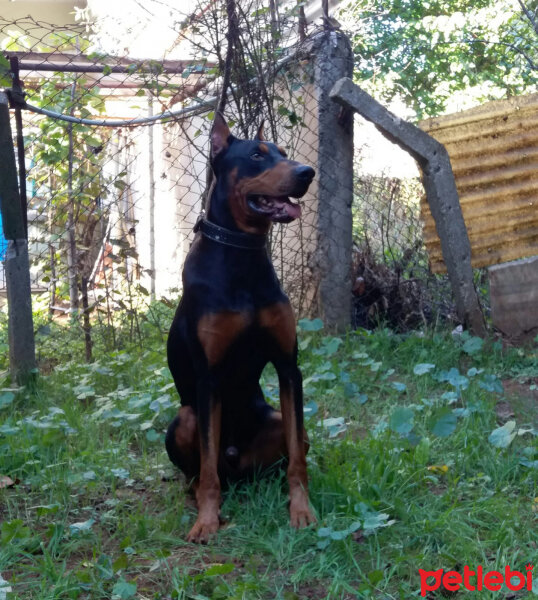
(494,154)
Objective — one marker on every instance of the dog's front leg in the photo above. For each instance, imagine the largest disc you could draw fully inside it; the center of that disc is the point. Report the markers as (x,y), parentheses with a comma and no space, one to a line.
(291,404)
(208,489)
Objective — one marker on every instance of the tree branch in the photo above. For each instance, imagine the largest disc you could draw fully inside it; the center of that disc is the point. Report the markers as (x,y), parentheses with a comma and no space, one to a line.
(529,15)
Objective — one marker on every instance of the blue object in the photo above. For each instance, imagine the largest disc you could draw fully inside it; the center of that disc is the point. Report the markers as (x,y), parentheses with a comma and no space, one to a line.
(3,241)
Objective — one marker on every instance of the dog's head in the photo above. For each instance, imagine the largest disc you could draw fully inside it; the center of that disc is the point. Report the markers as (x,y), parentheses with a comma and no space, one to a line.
(254,180)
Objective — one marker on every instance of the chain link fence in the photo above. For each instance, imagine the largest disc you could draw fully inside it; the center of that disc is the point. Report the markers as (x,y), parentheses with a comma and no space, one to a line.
(114,192)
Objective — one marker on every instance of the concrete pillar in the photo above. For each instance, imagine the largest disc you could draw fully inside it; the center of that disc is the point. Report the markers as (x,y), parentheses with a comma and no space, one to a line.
(441,193)
(334,60)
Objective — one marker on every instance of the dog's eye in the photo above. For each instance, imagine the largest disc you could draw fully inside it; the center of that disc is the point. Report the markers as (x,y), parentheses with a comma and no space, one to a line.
(256,156)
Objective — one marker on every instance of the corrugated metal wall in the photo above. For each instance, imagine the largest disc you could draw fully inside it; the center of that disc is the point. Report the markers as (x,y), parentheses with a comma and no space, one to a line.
(494,154)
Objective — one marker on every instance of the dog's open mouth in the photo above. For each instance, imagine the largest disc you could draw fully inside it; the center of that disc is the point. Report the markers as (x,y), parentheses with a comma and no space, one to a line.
(277,208)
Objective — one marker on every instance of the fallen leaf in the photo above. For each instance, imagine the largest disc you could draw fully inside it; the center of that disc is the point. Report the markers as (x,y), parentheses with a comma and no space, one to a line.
(6,482)
(439,469)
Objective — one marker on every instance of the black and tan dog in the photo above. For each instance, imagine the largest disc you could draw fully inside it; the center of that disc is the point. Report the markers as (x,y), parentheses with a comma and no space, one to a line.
(232,320)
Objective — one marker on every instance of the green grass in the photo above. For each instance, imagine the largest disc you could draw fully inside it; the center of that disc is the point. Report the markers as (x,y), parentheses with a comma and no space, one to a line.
(403,475)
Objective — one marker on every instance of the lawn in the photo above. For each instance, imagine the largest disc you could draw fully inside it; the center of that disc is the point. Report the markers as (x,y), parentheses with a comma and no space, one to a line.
(424,455)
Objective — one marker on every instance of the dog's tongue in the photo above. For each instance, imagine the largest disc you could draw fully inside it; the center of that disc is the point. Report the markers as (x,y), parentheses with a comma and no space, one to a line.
(292,210)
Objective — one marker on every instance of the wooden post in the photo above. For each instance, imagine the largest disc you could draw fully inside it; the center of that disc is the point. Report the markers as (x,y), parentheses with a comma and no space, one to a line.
(440,189)
(17,265)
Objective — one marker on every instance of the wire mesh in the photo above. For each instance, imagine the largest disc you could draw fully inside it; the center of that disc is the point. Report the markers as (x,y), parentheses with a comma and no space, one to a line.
(111,208)
(393,283)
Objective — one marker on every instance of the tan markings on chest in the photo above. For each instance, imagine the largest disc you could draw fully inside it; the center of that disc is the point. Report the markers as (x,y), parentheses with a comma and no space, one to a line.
(217,332)
(279,320)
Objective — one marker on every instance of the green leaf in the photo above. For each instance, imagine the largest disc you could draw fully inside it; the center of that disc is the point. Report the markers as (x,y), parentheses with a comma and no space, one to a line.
(398,386)
(220,569)
(310,325)
(12,531)
(401,420)
(375,521)
(5,72)
(423,368)
(502,436)
(310,409)
(324,531)
(120,472)
(491,383)
(124,590)
(335,425)
(361,398)
(332,345)
(374,577)
(445,425)
(75,528)
(120,563)
(152,435)
(473,345)
(47,509)
(6,399)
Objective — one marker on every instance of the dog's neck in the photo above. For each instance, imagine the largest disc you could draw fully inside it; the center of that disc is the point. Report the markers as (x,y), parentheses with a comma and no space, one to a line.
(227,237)
(218,211)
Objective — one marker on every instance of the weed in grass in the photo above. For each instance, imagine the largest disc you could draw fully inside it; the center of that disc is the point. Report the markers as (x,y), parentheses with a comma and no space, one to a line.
(410,467)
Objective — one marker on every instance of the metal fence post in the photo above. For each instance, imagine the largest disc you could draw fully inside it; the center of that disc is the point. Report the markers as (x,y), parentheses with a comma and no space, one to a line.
(20,325)
(333,60)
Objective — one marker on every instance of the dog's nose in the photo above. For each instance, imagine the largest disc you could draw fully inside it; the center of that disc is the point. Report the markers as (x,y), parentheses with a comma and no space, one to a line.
(305,173)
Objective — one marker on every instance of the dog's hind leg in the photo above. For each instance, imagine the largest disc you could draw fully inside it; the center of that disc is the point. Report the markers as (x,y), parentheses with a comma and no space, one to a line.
(182,442)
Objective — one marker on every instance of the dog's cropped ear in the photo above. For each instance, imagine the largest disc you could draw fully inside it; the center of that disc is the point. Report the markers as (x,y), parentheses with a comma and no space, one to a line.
(219,135)
(259,136)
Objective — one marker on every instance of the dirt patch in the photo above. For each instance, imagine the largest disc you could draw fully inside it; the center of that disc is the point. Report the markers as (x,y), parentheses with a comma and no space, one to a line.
(521,400)
(504,411)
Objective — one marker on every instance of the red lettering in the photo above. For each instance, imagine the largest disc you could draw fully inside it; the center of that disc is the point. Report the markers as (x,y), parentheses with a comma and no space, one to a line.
(452,581)
(424,585)
(493,581)
(479,578)
(466,574)
(509,575)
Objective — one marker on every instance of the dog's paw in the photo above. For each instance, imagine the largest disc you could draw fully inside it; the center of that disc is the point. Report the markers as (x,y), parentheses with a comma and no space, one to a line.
(301,516)
(203,529)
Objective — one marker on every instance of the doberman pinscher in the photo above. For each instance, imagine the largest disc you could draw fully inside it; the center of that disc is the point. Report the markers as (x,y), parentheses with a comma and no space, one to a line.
(232,320)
